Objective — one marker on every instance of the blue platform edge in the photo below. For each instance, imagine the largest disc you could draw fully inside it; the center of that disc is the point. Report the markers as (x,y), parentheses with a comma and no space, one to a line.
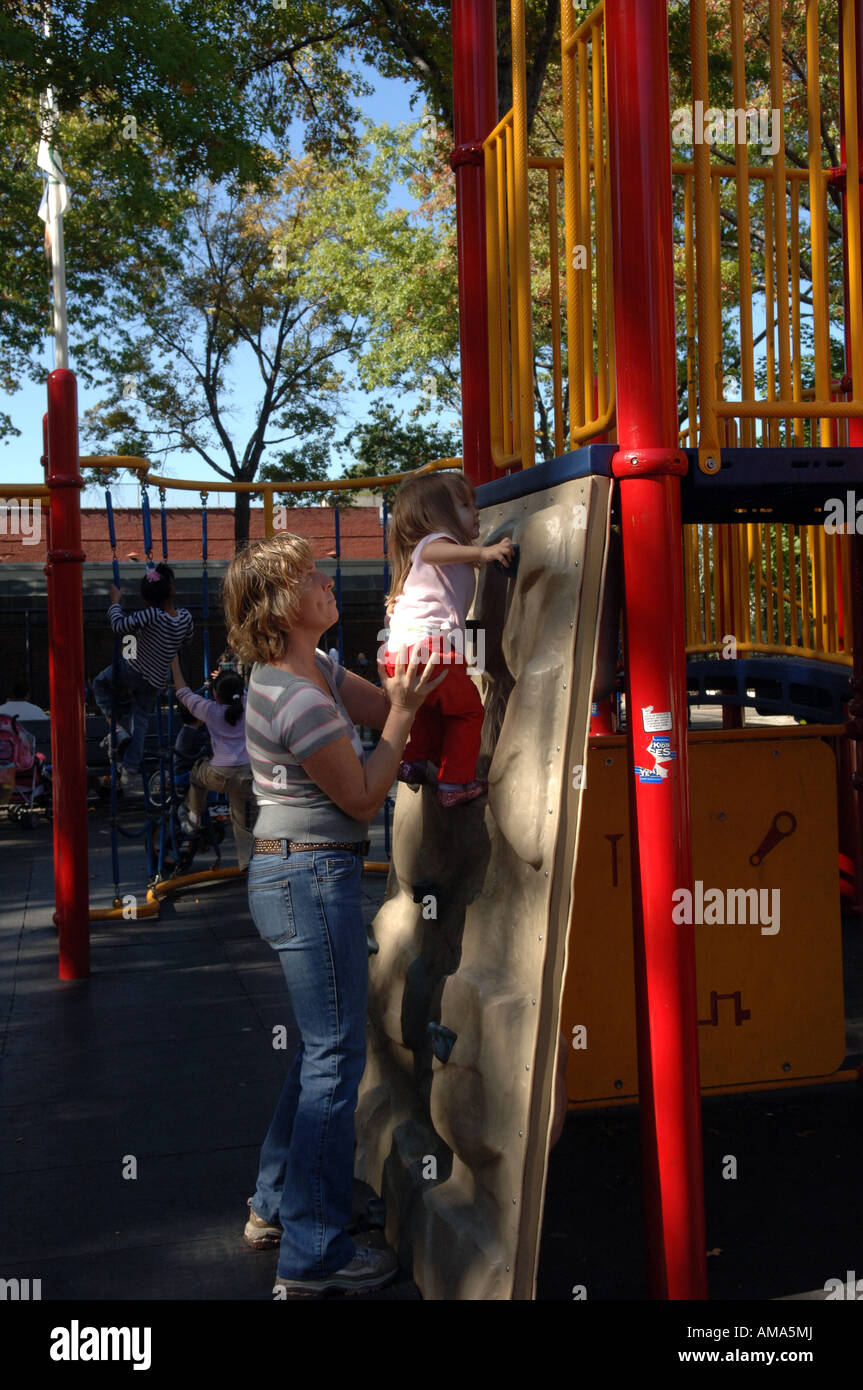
(790,485)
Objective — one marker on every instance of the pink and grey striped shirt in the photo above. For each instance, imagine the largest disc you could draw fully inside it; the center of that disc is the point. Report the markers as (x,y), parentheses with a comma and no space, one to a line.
(288,718)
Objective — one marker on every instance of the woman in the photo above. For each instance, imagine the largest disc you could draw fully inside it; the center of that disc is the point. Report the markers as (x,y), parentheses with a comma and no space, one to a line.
(316,792)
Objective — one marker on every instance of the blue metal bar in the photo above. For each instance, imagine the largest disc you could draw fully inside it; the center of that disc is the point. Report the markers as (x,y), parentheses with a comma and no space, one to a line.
(145,517)
(205,592)
(164,519)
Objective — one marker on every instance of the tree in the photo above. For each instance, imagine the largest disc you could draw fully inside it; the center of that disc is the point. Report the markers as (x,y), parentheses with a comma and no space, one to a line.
(387,444)
(153,95)
(291,280)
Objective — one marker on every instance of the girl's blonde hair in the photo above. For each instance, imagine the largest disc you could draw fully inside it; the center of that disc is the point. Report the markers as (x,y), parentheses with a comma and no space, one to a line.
(422,505)
(261,596)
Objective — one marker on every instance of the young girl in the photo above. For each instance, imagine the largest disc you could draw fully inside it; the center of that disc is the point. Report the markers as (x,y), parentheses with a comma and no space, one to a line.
(434,523)
(159,630)
(228,770)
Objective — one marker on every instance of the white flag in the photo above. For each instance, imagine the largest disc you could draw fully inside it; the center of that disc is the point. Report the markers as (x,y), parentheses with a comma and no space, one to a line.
(48,160)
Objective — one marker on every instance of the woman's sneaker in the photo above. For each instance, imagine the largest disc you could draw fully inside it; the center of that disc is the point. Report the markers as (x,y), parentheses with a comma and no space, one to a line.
(261,1234)
(370,1268)
(455,793)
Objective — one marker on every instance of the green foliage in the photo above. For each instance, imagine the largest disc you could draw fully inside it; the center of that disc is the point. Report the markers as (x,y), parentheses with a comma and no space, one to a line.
(387,444)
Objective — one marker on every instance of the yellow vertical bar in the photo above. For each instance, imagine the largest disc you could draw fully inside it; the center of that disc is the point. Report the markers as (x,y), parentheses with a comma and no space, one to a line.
(584,199)
(793,574)
(554,269)
(741,159)
(771,426)
(780,214)
(716,273)
(691,348)
(512,257)
(847,610)
(522,258)
(805,569)
(690,589)
(505,367)
(795,303)
(780,587)
(818,215)
(830,583)
(572,223)
(708,440)
(269,529)
(492,259)
(596,65)
(852,203)
(709,586)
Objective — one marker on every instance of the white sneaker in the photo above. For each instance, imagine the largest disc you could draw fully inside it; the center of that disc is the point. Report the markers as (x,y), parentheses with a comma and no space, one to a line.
(189,823)
(125,778)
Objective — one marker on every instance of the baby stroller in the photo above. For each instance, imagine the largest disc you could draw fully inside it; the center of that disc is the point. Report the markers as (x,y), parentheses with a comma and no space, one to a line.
(25,776)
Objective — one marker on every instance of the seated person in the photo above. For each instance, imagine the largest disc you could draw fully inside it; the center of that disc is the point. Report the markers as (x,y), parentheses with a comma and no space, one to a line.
(21,705)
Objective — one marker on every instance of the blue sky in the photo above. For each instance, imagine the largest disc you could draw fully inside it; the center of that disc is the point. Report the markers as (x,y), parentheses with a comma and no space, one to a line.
(19,457)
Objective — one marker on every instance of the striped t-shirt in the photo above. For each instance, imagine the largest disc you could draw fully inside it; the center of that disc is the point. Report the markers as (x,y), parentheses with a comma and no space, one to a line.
(288,718)
(158,637)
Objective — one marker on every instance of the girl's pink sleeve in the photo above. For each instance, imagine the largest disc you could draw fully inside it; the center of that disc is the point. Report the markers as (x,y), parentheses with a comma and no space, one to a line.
(208,710)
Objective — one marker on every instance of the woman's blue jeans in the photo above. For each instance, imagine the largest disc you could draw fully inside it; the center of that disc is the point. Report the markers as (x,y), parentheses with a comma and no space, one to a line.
(308,907)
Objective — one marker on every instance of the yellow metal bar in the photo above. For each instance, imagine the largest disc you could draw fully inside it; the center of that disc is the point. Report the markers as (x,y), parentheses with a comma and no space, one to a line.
(595,17)
(106,462)
(847,610)
(818,217)
(512,353)
(26,490)
(770,435)
(709,585)
(754,171)
(269,528)
(505,358)
(831,552)
(805,567)
(689,274)
(599,219)
(780,216)
(716,283)
(572,223)
(708,440)
(554,271)
(747,367)
(852,202)
(584,200)
(494,256)
(799,428)
(793,576)
(524,352)
(776,410)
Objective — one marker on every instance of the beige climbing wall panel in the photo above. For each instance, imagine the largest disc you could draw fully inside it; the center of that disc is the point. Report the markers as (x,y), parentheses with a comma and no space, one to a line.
(472,935)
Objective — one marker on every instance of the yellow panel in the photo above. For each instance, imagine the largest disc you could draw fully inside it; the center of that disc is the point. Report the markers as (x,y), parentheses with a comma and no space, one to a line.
(770,1003)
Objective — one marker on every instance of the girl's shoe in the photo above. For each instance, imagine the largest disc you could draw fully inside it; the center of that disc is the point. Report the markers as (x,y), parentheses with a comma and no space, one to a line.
(455,793)
(417,774)
(261,1234)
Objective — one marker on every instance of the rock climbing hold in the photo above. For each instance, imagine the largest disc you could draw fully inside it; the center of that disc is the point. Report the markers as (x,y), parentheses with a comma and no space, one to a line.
(443,1040)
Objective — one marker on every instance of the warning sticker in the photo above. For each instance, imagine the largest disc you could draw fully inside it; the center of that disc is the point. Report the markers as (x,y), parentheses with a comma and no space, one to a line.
(655,723)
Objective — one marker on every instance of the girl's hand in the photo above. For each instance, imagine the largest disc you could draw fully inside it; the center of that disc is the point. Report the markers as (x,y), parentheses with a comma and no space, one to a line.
(115,593)
(503,551)
(410,683)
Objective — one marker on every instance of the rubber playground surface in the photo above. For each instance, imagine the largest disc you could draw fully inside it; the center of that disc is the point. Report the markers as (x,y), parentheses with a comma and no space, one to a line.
(163,1064)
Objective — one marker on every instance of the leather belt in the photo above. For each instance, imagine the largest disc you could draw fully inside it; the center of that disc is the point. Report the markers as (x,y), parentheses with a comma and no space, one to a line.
(295,846)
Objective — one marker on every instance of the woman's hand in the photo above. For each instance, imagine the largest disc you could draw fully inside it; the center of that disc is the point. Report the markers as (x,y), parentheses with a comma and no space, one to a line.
(410,683)
(503,551)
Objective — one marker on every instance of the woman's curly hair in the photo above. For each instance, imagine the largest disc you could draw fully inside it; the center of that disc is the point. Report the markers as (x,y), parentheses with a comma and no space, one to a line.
(261,596)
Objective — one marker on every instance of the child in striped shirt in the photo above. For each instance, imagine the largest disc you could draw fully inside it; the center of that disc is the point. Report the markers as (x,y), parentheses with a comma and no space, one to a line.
(155,635)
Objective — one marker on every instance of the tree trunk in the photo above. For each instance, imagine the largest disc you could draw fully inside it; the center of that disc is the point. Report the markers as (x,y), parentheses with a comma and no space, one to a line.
(242,503)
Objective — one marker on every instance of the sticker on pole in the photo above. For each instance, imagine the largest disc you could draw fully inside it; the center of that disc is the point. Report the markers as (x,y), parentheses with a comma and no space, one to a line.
(655,723)
(660,750)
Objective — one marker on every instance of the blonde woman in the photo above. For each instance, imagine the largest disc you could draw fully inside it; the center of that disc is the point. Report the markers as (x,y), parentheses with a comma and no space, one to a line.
(316,791)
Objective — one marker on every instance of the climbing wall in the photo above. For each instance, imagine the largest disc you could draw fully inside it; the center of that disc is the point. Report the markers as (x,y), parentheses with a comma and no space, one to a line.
(465,991)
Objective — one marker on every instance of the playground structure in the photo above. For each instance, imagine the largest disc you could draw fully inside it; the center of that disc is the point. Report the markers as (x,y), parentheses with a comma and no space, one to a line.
(455,999)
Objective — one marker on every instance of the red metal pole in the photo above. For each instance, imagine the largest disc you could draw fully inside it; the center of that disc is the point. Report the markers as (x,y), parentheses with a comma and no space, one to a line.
(66,638)
(474,68)
(648,464)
